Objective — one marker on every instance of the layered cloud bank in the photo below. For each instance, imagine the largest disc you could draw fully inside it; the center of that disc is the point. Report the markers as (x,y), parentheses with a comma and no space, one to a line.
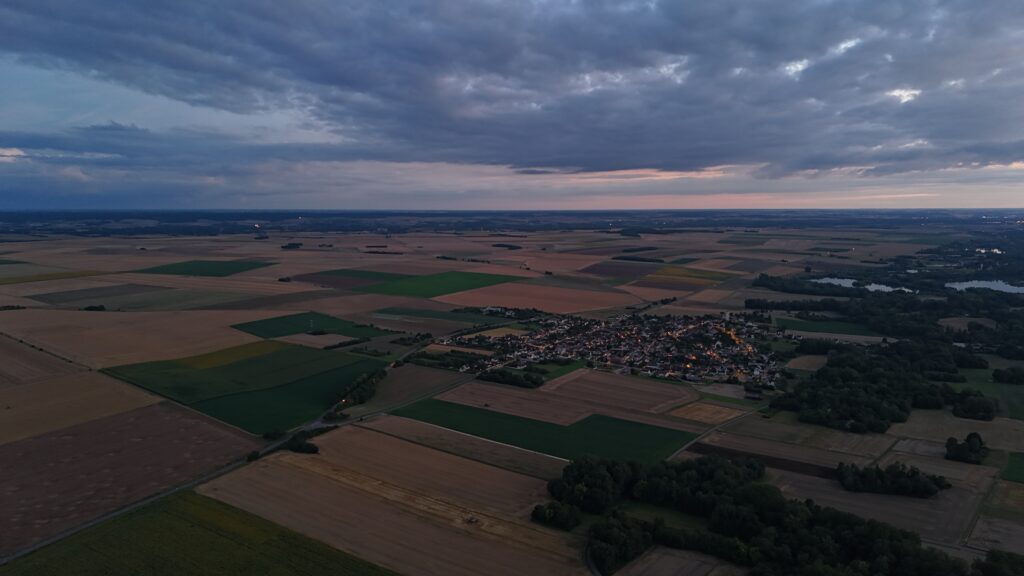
(510,104)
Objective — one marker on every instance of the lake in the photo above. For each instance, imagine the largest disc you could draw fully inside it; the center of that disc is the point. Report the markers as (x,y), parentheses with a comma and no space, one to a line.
(851,283)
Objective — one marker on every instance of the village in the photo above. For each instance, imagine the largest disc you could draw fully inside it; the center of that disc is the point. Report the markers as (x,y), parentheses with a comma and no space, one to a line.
(684,348)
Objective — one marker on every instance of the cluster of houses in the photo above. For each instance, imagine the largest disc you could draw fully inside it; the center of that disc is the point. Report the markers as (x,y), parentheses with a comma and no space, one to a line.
(686,348)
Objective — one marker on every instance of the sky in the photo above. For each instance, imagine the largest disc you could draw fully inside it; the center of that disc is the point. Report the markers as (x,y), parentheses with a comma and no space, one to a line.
(560,104)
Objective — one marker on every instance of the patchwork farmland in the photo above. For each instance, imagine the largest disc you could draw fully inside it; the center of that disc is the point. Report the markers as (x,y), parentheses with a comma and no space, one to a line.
(165,393)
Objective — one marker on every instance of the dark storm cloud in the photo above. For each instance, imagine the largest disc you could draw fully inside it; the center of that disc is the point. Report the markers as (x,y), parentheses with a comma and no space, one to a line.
(873,87)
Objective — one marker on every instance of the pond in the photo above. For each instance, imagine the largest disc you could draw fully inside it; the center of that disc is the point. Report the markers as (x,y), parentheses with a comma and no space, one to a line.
(997,285)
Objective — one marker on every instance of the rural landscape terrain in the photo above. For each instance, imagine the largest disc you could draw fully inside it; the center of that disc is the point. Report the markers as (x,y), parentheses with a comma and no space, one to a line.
(552,393)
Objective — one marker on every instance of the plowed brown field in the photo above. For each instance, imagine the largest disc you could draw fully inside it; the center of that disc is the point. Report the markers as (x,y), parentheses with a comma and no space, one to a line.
(403,506)
(57,481)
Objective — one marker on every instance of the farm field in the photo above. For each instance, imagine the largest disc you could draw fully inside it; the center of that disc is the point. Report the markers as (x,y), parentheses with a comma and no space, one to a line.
(938,425)
(308,322)
(825,327)
(434,285)
(421,501)
(707,413)
(61,479)
(1015,467)
(22,364)
(220,540)
(406,384)
(784,427)
(216,268)
(596,434)
(662,561)
(549,299)
(774,453)
(54,403)
(259,387)
(619,390)
(945,519)
(472,447)
(102,339)
(567,407)
(453,315)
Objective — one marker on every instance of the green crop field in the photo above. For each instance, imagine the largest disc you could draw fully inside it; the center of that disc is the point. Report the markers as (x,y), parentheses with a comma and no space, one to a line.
(288,405)
(825,326)
(598,435)
(259,387)
(306,322)
(436,284)
(454,316)
(207,267)
(1014,470)
(190,534)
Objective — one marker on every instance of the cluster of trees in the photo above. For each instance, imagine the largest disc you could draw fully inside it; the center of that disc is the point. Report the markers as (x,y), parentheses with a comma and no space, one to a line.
(557,514)
(513,378)
(1011,375)
(972,450)
(896,478)
(451,360)
(867,389)
(412,339)
(750,523)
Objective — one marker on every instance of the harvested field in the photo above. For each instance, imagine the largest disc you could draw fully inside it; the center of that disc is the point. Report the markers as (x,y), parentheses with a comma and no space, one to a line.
(938,425)
(970,476)
(549,299)
(946,518)
(22,364)
(220,540)
(216,268)
(276,301)
(991,532)
(406,384)
(784,427)
(1007,499)
(707,413)
(565,407)
(920,447)
(596,434)
(810,362)
(463,518)
(961,323)
(62,479)
(482,450)
(58,402)
(443,348)
(470,318)
(439,284)
(98,294)
(502,332)
(320,341)
(803,459)
(99,339)
(620,390)
(531,404)
(662,561)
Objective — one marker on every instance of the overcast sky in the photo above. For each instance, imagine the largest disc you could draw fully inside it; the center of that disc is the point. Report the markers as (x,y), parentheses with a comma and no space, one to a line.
(511,104)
